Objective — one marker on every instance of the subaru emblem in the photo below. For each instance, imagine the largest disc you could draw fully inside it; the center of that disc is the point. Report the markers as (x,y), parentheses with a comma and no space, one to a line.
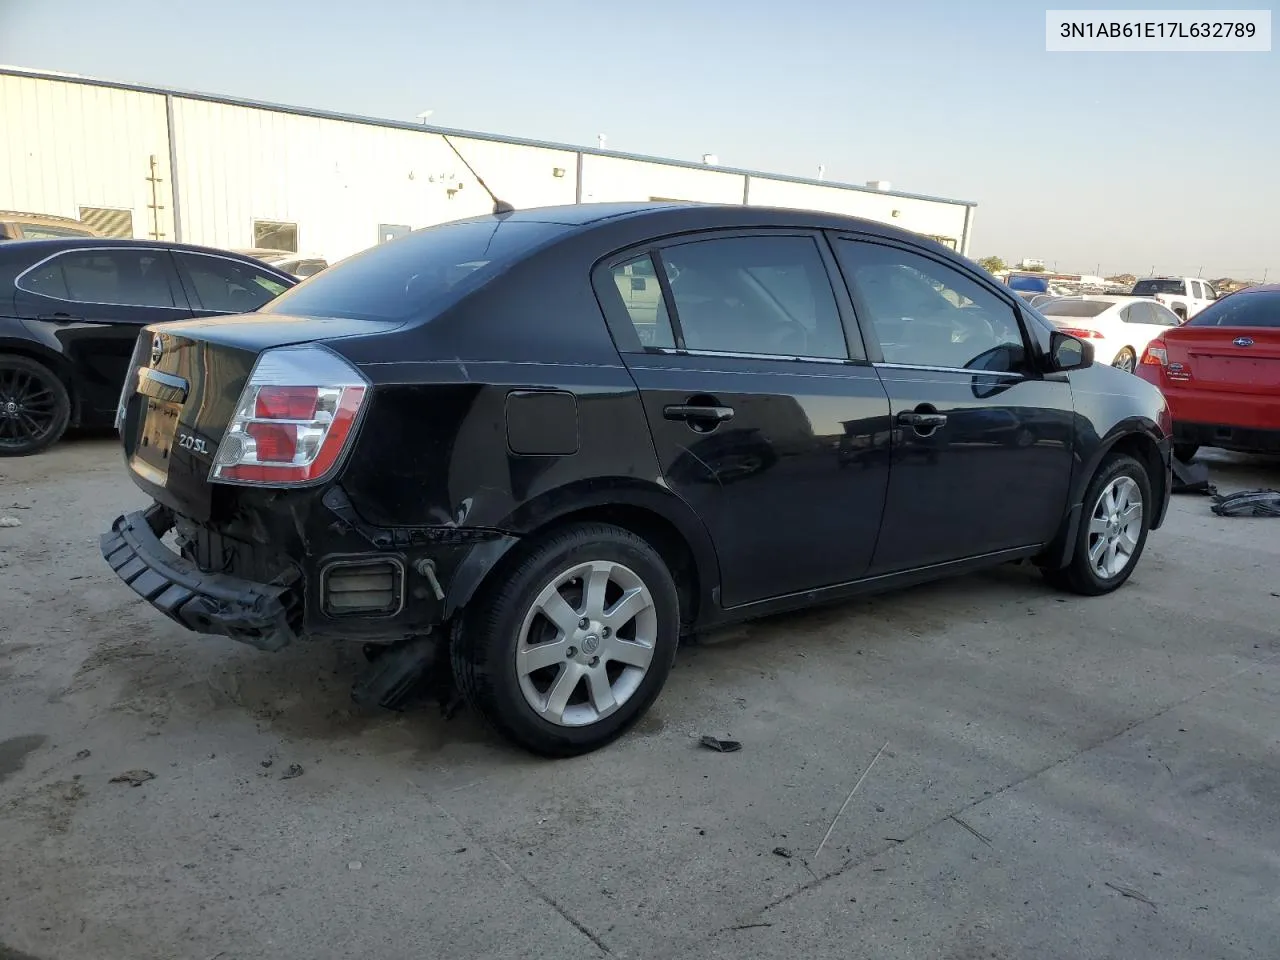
(1243,341)
(157,349)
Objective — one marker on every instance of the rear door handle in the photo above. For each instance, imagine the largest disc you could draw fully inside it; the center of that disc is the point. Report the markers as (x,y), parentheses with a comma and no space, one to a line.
(692,412)
(922,421)
(58,317)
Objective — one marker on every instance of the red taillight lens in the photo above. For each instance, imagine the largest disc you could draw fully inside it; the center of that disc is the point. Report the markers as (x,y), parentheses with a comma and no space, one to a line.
(287,403)
(274,442)
(1083,333)
(1156,353)
(295,419)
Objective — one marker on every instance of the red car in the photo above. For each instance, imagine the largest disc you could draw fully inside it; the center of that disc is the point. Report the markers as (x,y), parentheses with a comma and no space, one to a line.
(1220,372)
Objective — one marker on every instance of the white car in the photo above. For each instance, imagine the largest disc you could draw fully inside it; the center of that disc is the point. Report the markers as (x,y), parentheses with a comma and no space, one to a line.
(1118,327)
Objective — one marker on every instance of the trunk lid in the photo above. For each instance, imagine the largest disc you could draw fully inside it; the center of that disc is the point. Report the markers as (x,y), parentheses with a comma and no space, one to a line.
(1224,359)
(183,387)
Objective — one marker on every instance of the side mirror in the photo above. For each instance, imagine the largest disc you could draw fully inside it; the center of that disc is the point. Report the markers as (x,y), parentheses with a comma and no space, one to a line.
(1069,353)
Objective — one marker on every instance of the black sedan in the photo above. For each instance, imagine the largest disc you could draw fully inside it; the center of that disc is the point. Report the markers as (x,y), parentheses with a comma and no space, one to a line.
(459,449)
(71,310)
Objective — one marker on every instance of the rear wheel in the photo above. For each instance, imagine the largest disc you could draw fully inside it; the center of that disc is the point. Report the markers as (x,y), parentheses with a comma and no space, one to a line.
(1113,529)
(574,642)
(34,406)
(1185,451)
(1125,360)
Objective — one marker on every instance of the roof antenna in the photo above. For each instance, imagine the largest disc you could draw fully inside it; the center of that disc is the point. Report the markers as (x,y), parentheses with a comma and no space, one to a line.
(500,207)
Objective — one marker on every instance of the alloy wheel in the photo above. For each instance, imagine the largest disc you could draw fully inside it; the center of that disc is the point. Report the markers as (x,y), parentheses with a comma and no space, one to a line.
(28,408)
(1126,362)
(586,643)
(1115,527)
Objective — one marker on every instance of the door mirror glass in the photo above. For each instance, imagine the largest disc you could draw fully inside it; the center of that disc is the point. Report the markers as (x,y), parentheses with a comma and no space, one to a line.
(1069,353)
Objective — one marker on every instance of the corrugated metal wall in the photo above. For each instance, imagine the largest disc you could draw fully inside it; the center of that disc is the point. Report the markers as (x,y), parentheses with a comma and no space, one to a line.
(71,145)
(64,146)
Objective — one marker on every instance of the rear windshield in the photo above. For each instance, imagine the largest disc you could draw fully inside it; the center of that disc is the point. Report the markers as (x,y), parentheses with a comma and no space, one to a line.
(1074,308)
(1261,309)
(416,275)
(1149,288)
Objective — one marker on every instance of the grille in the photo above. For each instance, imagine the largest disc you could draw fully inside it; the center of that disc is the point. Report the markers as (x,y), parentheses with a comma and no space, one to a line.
(362,587)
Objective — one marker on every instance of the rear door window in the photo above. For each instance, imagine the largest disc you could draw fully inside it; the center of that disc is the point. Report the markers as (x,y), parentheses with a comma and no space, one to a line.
(637,283)
(135,277)
(763,294)
(229,286)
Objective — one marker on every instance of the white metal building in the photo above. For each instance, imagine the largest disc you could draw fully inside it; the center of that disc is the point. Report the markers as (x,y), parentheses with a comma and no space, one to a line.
(144,162)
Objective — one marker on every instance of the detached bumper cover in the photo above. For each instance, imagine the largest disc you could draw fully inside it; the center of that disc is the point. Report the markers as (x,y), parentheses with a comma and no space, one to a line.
(210,603)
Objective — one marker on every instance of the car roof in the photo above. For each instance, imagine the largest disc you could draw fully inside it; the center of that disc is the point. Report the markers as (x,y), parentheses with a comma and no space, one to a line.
(48,247)
(676,215)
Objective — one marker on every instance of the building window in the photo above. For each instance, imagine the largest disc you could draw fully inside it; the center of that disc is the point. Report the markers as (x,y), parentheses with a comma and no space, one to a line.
(391,231)
(275,235)
(109,221)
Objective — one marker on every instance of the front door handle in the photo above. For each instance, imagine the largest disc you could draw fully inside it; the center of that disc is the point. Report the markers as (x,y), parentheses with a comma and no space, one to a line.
(922,421)
(693,412)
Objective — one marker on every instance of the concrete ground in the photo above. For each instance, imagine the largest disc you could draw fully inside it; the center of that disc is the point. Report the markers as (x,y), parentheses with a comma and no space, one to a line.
(1060,777)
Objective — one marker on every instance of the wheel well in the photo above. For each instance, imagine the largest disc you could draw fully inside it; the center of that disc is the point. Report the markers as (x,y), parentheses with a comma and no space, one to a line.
(1143,449)
(61,369)
(659,532)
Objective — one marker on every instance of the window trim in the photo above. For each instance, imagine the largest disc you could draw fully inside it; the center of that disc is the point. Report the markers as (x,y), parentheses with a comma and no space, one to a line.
(189,286)
(628,341)
(1031,347)
(173,268)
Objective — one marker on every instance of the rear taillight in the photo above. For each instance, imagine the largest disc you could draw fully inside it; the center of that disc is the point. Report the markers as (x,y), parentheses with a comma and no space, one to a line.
(1156,354)
(295,419)
(1083,333)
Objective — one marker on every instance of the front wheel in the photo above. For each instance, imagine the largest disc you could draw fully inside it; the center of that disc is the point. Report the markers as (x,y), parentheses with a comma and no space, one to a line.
(574,642)
(1125,360)
(1113,529)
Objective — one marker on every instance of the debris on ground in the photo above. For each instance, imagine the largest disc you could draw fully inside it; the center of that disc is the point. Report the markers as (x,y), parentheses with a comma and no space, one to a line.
(750,926)
(721,746)
(1192,478)
(267,762)
(10,522)
(1131,893)
(295,770)
(1247,503)
(82,754)
(134,778)
(782,852)
(849,798)
(354,865)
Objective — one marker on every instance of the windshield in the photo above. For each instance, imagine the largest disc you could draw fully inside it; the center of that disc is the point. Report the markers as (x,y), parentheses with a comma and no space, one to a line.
(1037,284)
(418,274)
(1149,288)
(1260,309)
(1074,308)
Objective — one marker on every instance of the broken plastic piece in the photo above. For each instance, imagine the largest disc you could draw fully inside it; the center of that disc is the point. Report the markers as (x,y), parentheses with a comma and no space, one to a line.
(1247,503)
(721,746)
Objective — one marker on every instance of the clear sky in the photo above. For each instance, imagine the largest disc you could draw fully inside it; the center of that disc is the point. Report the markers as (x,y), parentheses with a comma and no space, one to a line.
(1126,161)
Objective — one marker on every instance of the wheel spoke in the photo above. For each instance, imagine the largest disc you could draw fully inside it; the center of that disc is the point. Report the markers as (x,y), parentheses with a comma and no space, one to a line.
(1095,550)
(631,653)
(594,592)
(1112,550)
(1131,514)
(556,609)
(1128,541)
(541,655)
(601,692)
(621,613)
(560,692)
(1097,525)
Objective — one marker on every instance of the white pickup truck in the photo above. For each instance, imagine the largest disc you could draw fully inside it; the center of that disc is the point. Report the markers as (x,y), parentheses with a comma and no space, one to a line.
(1185,296)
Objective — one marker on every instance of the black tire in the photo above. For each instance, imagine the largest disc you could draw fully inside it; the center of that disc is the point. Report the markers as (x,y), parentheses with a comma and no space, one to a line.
(35,407)
(487,633)
(1079,576)
(1185,451)
(1126,360)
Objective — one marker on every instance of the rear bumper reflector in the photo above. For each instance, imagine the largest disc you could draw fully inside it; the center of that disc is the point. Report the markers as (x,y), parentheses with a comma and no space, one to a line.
(209,603)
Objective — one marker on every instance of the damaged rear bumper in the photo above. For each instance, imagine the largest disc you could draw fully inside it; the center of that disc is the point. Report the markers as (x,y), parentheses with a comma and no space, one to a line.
(212,603)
